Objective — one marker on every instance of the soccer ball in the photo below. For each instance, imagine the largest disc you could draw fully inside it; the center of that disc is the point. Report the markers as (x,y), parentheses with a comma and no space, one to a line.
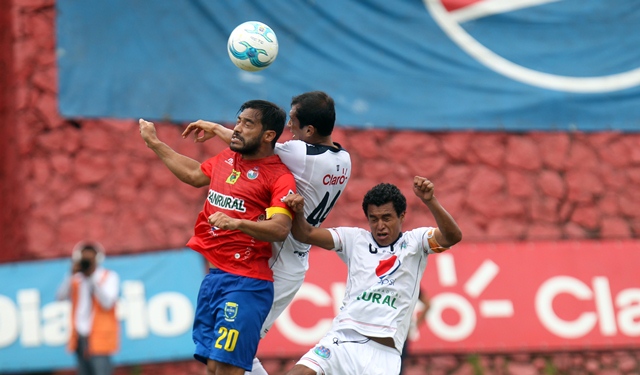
(252,46)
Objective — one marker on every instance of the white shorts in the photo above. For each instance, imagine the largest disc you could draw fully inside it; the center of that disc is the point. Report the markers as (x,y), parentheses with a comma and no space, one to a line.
(348,352)
(283,292)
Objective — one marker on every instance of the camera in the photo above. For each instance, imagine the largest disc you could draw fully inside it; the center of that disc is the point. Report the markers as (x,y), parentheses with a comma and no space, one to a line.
(85,265)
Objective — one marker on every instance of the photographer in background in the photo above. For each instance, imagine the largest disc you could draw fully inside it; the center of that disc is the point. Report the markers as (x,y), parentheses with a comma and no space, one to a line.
(93,291)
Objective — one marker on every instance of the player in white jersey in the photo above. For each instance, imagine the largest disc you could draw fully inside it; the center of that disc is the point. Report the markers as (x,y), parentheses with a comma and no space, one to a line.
(385,267)
(321,168)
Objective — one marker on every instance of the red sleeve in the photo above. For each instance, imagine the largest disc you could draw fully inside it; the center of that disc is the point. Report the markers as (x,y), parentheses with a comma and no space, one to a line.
(207,166)
(282,187)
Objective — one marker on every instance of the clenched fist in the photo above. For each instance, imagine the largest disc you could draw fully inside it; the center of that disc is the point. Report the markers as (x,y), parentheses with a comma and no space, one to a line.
(423,188)
(222,221)
(295,202)
(148,132)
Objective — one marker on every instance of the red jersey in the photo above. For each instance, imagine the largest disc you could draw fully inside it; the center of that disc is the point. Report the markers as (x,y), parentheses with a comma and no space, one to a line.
(241,189)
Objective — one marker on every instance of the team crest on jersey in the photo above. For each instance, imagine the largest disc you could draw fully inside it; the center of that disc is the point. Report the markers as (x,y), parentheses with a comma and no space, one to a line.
(252,174)
(230,311)
(233,177)
(322,351)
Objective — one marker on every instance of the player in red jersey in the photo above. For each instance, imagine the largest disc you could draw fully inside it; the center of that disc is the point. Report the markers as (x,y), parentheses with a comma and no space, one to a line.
(242,214)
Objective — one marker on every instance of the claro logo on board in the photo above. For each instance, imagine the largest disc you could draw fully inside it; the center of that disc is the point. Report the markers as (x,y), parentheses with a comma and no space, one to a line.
(564,307)
(611,313)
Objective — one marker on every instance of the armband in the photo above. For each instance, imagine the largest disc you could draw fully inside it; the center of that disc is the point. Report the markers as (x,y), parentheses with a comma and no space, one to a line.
(278,210)
(435,246)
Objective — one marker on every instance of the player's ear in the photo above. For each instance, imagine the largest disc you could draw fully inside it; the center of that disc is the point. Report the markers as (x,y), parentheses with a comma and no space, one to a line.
(268,136)
(310,129)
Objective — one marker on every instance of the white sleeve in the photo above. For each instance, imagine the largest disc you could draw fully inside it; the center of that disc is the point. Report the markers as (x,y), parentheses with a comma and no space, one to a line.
(106,291)
(344,239)
(337,242)
(293,155)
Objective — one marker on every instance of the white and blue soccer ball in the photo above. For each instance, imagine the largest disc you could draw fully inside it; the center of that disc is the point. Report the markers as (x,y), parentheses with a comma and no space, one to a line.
(252,46)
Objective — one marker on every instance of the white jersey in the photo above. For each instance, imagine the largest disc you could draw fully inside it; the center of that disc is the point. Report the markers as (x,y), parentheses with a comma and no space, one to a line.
(321,174)
(383,282)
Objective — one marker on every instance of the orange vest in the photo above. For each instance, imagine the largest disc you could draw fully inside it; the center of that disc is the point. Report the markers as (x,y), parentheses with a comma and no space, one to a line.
(103,339)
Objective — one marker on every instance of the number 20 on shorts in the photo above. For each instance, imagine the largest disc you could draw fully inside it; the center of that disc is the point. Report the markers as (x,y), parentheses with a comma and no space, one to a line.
(229,337)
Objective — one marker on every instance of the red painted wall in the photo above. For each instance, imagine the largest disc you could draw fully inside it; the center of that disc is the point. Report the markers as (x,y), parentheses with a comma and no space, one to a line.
(12,210)
(95,179)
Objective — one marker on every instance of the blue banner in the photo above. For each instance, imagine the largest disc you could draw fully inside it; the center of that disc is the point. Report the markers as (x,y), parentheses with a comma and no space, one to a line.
(156,309)
(512,65)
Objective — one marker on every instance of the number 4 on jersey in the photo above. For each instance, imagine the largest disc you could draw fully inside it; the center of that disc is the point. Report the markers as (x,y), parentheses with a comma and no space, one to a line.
(317,216)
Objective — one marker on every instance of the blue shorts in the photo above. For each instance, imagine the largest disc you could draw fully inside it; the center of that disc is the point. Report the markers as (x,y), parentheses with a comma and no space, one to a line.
(229,316)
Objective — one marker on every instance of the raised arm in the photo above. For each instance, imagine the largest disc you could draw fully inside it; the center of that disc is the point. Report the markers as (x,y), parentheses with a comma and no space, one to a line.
(448,233)
(302,230)
(205,130)
(185,168)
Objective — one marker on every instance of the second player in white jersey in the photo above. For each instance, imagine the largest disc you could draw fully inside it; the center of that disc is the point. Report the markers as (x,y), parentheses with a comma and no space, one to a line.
(321,174)
(385,266)
(383,281)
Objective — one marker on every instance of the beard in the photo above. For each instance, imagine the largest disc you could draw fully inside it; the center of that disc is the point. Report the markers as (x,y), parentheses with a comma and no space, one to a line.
(248,148)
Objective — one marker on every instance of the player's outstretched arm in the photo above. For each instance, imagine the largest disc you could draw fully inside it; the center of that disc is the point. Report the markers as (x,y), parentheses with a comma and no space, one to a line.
(448,233)
(205,130)
(302,230)
(186,169)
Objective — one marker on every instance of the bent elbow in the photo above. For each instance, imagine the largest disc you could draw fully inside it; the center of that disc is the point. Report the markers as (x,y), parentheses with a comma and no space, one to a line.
(455,237)
(195,182)
(282,234)
(195,178)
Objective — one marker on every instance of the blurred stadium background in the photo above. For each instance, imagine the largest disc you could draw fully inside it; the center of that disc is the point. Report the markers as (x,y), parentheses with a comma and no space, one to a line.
(523,113)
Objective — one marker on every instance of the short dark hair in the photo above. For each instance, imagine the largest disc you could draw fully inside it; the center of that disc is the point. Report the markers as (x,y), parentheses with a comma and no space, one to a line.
(90,247)
(316,108)
(385,193)
(272,116)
